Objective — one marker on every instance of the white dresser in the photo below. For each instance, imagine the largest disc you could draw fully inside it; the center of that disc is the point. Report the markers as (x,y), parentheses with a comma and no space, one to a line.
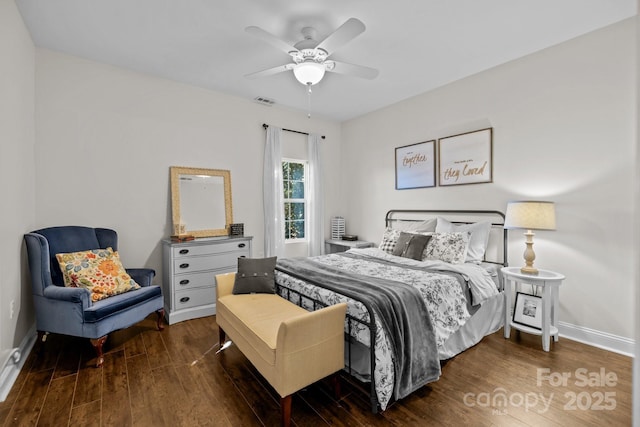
(189,270)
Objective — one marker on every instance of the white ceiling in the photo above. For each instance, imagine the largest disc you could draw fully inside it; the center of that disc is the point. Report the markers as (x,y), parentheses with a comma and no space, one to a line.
(417,45)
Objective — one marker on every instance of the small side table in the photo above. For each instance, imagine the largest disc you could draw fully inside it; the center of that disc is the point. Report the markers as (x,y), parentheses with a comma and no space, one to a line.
(549,281)
(337,245)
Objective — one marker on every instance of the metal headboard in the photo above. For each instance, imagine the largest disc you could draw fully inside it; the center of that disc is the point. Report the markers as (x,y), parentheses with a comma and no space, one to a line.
(496,218)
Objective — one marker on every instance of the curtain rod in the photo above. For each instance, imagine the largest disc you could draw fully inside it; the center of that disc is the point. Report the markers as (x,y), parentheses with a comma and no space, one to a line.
(264,125)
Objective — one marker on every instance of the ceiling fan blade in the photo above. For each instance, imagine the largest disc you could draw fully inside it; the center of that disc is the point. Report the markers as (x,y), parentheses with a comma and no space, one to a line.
(344,34)
(352,69)
(270,71)
(271,39)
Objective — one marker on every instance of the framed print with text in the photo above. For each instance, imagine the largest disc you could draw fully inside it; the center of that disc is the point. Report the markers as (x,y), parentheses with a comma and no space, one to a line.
(416,165)
(466,158)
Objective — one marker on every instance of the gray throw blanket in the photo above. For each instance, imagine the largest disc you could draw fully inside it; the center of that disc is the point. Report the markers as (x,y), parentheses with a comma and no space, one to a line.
(400,310)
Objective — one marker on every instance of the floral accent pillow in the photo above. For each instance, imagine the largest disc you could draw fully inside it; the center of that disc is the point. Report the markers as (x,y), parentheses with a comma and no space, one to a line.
(98,270)
(448,247)
(478,236)
(389,240)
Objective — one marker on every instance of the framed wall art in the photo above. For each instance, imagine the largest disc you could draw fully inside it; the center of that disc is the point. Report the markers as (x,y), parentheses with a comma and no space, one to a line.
(466,158)
(416,165)
(528,310)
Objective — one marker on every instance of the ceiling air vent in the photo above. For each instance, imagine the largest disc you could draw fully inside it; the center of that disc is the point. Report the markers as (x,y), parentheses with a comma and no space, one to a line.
(264,101)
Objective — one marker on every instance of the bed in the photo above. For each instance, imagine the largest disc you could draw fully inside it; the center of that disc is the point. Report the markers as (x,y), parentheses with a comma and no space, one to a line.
(429,291)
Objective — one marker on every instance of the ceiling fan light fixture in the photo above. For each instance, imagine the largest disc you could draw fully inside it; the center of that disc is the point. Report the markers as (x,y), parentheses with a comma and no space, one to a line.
(309,73)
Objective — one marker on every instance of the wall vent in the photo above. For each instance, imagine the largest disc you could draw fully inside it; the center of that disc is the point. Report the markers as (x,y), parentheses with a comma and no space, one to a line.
(264,101)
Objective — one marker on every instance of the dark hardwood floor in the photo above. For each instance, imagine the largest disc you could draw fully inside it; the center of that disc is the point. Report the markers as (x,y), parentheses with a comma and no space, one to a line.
(174,378)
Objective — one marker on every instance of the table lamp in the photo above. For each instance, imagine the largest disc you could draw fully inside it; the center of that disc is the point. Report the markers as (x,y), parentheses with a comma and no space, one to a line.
(530,215)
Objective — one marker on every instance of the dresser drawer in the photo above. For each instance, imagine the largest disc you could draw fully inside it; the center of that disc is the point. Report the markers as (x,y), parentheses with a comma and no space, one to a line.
(194,280)
(191,250)
(194,297)
(208,262)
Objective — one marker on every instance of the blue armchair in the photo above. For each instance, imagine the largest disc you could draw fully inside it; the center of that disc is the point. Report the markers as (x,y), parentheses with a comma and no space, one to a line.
(69,310)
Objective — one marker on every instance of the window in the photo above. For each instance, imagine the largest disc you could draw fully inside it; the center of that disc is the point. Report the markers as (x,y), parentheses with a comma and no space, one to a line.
(294,174)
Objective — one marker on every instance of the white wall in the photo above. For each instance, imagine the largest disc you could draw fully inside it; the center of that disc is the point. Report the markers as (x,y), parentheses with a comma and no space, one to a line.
(17,68)
(564,130)
(107,136)
(636,253)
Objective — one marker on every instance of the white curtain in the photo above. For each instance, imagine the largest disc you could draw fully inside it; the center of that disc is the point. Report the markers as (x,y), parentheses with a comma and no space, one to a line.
(273,195)
(315,210)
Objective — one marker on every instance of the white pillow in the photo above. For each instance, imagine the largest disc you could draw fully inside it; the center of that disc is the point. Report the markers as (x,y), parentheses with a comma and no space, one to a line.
(428,225)
(478,240)
(447,247)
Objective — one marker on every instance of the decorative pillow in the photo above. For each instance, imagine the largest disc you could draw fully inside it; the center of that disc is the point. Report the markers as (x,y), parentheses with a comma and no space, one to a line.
(478,239)
(389,240)
(448,247)
(98,270)
(410,245)
(255,276)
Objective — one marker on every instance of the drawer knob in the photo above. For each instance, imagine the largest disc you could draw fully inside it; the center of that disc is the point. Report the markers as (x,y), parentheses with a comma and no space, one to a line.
(185,265)
(184,299)
(184,282)
(241,245)
(184,251)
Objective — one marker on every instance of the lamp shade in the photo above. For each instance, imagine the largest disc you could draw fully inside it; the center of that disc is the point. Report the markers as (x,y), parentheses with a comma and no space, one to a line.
(309,72)
(531,215)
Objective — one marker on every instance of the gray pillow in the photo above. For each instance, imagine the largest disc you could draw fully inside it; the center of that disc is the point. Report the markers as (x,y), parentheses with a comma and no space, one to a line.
(411,245)
(255,276)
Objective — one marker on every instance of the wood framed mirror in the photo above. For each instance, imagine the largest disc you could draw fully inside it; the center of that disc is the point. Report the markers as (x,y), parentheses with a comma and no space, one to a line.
(201,201)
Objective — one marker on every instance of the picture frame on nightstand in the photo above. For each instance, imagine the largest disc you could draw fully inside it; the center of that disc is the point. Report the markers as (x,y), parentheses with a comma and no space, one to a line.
(527,310)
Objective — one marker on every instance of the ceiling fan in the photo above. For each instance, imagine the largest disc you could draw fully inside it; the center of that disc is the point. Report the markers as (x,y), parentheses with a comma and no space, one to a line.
(310,56)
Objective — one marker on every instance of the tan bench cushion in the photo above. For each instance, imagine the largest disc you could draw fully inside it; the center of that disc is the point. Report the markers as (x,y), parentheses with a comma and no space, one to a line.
(258,327)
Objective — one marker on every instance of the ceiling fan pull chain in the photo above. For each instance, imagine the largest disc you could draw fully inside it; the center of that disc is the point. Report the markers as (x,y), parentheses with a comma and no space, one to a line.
(309,100)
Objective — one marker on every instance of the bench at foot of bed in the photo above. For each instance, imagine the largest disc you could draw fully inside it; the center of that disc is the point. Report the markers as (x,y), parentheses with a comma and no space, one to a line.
(290,347)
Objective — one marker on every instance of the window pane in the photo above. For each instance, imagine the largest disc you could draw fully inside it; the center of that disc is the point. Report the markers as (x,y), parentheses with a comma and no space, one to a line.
(293,188)
(296,189)
(297,171)
(296,230)
(293,211)
(297,211)
(287,190)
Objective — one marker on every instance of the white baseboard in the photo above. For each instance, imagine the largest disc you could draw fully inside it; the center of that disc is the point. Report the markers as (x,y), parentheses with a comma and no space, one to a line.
(598,339)
(14,361)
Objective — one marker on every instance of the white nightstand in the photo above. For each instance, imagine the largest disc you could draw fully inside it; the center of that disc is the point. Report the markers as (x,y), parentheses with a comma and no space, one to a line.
(549,281)
(337,245)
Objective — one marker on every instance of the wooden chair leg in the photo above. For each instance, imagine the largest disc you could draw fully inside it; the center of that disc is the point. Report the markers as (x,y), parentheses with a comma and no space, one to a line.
(285,410)
(337,389)
(221,336)
(160,321)
(98,346)
(40,342)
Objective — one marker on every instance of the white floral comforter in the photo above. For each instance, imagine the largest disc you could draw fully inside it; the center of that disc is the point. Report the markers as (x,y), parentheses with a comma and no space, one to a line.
(444,297)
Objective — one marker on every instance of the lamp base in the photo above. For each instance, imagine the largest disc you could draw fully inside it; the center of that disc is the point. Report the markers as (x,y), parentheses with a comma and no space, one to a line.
(529,255)
(529,270)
